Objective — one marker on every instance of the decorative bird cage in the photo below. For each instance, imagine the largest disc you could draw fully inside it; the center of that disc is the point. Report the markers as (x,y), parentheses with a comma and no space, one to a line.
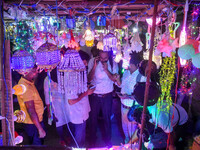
(72,77)
(48,56)
(22,62)
(110,42)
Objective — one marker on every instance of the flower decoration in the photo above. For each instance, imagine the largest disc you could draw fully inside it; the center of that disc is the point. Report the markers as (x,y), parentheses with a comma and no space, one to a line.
(167,45)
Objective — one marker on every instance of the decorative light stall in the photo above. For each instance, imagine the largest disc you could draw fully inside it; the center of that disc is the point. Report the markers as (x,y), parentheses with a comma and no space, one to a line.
(22,62)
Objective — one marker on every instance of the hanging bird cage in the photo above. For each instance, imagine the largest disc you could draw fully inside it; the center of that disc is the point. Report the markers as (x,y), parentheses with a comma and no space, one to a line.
(48,56)
(22,62)
(72,77)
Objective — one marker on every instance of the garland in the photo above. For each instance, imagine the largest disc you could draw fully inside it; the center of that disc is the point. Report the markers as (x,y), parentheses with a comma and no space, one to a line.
(166,73)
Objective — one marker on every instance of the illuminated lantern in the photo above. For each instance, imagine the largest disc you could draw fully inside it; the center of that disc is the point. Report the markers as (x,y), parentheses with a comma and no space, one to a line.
(89,38)
(72,76)
(110,42)
(22,62)
(48,56)
(100,45)
(101,21)
(71,23)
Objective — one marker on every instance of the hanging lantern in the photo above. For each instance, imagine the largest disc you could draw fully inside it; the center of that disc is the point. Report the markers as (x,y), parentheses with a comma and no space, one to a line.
(71,23)
(47,56)
(72,77)
(101,21)
(100,45)
(89,38)
(22,62)
(110,42)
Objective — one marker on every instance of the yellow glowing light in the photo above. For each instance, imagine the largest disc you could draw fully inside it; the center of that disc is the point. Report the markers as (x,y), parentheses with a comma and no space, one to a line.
(19,89)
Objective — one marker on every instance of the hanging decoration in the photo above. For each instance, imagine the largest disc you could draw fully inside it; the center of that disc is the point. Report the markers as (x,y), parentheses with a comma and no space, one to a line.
(47,56)
(89,38)
(196,60)
(24,34)
(110,42)
(101,21)
(72,77)
(167,73)
(184,85)
(22,62)
(136,44)
(186,52)
(167,45)
(70,21)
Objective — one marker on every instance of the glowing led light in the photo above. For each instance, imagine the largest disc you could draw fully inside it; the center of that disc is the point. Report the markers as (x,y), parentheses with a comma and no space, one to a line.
(150,21)
(182,41)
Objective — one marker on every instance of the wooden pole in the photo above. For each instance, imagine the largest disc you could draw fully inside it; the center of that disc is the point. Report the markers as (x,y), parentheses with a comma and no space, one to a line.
(148,72)
(5,87)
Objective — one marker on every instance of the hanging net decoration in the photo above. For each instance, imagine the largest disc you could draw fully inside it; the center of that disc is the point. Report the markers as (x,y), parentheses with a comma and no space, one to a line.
(48,56)
(22,62)
(72,77)
(110,42)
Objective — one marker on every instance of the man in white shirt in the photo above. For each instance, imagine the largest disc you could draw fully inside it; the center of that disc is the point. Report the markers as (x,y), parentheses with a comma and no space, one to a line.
(100,75)
(129,79)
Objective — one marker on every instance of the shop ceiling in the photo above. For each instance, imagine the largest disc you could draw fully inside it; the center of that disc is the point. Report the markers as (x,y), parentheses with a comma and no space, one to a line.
(115,9)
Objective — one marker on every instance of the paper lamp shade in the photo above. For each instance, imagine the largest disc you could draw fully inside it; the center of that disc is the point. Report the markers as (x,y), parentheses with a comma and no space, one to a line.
(22,62)
(48,56)
(196,60)
(186,52)
(154,93)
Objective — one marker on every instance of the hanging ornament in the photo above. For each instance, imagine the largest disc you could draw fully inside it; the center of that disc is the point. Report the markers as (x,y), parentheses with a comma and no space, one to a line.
(47,56)
(89,38)
(186,52)
(72,77)
(167,45)
(22,62)
(101,20)
(70,21)
(100,45)
(167,74)
(110,42)
(136,44)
